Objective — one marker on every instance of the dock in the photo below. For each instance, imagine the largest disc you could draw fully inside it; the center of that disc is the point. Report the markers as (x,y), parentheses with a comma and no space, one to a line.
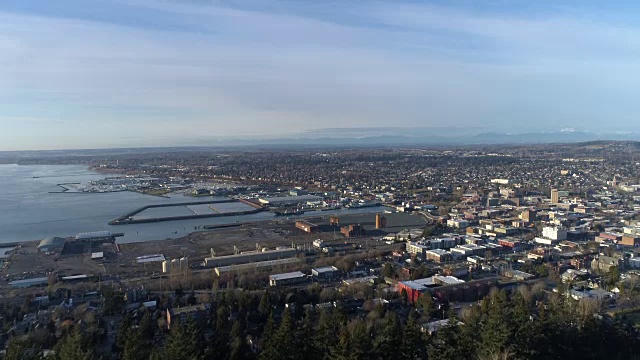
(128,218)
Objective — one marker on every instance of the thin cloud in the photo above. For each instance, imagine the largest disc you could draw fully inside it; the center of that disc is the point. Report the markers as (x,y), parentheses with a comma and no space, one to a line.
(193,69)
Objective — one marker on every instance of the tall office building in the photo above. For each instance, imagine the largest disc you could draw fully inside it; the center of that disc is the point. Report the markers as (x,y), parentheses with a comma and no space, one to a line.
(528,216)
(554,196)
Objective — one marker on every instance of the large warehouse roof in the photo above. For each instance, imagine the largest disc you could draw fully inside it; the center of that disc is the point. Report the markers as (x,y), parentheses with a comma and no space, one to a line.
(29,282)
(49,243)
(290,199)
(287,276)
(93,235)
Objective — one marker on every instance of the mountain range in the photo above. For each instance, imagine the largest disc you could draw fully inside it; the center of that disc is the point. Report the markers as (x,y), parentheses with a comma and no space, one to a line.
(363,137)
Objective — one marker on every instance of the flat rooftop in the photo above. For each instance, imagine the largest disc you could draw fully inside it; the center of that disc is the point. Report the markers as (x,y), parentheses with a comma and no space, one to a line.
(438,252)
(258,264)
(188,309)
(290,199)
(302,221)
(419,284)
(472,247)
(249,253)
(436,280)
(150,258)
(94,235)
(37,280)
(325,269)
(285,276)
(419,245)
(447,280)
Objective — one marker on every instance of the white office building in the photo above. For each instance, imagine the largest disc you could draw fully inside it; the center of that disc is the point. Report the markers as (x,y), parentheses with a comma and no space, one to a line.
(554,232)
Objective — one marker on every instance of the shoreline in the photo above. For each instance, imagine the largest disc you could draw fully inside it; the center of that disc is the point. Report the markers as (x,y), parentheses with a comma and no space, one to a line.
(204,228)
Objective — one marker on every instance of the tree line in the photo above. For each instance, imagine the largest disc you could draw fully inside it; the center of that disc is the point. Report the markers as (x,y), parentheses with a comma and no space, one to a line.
(242,325)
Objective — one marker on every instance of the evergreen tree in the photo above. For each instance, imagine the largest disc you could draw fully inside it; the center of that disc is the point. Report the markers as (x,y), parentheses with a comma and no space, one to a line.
(146,326)
(522,328)
(268,347)
(390,337)
(20,350)
(137,346)
(613,276)
(307,345)
(219,346)
(425,303)
(183,342)
(387,270)
(444,343)
(284,341)
(361,345)
(495,330)
(73,347)
(412,342)
(326,332)
(264,308)
(240,350)
(342,349)
(467,334)
(113,300)
(404,296)
(156,355)
(124,328)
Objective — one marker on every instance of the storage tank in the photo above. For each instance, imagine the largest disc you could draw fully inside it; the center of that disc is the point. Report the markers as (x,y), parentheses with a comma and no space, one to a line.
(175,264)
(166,266)
(184,263)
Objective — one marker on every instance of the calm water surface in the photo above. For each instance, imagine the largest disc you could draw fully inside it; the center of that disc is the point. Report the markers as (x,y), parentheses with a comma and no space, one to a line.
(29,212)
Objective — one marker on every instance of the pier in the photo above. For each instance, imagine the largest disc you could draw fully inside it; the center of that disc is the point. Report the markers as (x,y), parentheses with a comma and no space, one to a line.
(14,244)
(128,218)
(65,189)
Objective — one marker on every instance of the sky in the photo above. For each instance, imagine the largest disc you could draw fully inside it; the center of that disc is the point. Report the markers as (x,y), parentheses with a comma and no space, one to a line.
(129,73)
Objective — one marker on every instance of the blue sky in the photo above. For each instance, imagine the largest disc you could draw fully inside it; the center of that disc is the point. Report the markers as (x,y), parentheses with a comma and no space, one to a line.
(111,73)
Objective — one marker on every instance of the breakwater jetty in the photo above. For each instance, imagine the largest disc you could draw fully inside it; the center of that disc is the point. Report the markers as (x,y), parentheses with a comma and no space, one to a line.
(65,188)
(129,218)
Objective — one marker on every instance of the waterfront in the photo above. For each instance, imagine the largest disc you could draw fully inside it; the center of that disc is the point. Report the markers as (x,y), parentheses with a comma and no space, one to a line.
(4,251)
(28,211)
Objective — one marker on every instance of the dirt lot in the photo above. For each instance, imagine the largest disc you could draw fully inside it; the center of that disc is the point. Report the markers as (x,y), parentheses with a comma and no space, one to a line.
(27,262)
(121,259)
(268,234)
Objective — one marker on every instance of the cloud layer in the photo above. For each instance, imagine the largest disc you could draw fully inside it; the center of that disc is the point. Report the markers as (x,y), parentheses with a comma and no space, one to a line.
(77,74)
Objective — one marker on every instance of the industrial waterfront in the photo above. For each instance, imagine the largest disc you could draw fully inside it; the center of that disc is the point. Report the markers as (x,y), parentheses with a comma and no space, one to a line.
(29,211)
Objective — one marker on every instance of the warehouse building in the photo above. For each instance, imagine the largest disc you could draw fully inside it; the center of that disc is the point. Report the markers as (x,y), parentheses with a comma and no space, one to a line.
(96,236)
(325,273)
(415,288)
(289,200)
(54,244)
(306,226)
(447,288)
(249,257)
(255,265)
(353,230)
(292,278)
(25,283)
